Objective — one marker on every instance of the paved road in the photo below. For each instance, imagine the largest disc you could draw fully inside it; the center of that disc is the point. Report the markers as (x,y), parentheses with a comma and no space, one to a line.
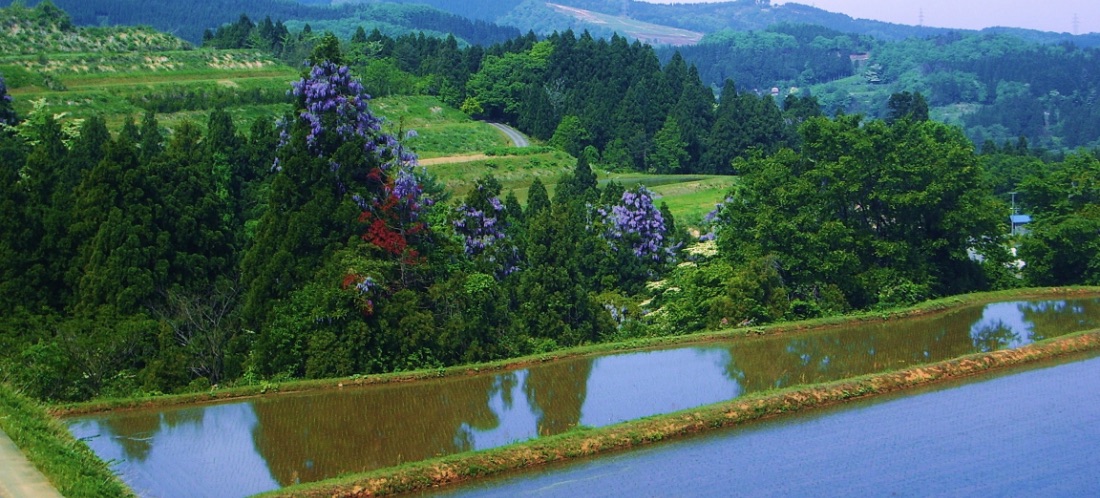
(514,135)
(18,478)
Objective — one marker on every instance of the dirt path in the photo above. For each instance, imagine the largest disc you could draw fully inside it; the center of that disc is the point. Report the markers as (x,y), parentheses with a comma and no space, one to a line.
(452,159)
(18,478)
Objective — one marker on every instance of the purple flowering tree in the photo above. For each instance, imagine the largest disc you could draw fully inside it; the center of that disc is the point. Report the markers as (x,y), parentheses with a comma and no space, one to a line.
(378,172)
(333,141)
(636,225)
(332,104)
(481,222)
(711,220)
(7,112)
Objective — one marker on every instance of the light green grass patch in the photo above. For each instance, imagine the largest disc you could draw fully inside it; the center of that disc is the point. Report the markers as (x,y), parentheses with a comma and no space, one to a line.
(515,173)
(689,197)
(440,130)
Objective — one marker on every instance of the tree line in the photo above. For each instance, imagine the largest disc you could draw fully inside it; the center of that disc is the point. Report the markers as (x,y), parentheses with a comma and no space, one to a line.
(146,260)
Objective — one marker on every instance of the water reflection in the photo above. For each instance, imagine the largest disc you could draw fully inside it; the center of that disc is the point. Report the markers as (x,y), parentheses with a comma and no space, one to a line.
(246,447)
(311,437)
(199,451)
(555,392)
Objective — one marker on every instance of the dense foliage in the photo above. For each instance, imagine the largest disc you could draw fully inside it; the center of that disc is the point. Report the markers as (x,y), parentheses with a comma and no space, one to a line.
(153,260)
(393,20)
(784,55)
(313,247)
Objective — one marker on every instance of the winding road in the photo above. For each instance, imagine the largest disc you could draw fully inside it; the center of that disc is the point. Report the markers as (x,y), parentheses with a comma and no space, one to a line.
(517,138)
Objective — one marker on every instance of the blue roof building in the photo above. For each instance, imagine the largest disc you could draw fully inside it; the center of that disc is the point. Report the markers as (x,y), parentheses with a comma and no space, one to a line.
(1018,222)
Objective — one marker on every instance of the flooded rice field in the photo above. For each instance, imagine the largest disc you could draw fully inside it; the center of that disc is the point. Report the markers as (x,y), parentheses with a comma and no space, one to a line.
(1031,433)
(254,445)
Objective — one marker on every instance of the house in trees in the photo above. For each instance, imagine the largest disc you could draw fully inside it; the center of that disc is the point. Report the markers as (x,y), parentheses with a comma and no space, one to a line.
(1018,222)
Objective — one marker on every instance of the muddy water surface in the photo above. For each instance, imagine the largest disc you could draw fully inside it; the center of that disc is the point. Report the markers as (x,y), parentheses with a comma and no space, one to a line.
(249,446)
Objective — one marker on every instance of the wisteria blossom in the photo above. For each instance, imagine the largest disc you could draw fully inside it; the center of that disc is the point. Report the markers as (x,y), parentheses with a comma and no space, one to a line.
(484,237)
(7,115)
(637,223)
(711,219)
(333,104)
(329,93)
(383,181)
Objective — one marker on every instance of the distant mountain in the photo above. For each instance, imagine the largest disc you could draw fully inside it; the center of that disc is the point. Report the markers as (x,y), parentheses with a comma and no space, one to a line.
(485,10)
(738,15)
(189,19)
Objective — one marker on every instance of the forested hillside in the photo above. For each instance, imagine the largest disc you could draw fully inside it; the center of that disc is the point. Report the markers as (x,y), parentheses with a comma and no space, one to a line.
(997,87)
(783,56)
(190,19)
(306,241)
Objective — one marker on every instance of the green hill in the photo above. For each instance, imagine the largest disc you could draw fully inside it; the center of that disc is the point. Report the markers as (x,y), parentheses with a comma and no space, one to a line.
(48,29)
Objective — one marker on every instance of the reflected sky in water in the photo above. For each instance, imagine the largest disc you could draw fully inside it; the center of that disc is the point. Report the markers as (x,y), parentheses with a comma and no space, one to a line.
(245,447)
(199,452)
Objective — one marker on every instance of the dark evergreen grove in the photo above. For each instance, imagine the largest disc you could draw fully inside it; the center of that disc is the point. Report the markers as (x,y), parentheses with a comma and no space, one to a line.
(152,260)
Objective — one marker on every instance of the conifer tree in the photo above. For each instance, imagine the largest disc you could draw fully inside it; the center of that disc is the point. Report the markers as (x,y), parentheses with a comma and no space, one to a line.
(537,199)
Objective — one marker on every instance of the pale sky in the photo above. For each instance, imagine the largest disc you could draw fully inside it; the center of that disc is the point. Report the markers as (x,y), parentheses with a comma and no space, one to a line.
(1046,15)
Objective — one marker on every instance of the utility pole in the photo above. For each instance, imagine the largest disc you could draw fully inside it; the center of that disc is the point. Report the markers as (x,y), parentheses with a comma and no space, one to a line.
(1076,24)
(920,19)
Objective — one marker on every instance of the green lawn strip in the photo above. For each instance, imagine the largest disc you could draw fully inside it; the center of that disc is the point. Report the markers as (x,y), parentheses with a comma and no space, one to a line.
(69,464)
(438,139)
(691,200)
(515,173)
(275,388)
(582,443)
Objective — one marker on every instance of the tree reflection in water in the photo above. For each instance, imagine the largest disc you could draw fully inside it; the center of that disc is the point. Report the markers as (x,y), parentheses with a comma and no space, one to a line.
(318,435)
(324,435)
(783,361)
(556,393)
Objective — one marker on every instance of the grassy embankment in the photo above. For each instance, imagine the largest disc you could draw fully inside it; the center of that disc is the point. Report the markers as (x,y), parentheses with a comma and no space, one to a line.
(121,85)
(69,464)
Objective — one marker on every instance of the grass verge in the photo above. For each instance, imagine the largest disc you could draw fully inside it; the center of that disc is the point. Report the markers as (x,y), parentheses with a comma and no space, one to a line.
(587,442)
(69,464)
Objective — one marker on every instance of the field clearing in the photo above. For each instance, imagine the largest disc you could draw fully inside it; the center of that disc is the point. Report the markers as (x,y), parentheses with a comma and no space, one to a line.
(690,201)
(440,130)
(689,197)
(515,173)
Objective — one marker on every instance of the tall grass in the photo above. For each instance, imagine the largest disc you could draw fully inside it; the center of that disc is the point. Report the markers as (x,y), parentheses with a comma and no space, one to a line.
(69,464)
